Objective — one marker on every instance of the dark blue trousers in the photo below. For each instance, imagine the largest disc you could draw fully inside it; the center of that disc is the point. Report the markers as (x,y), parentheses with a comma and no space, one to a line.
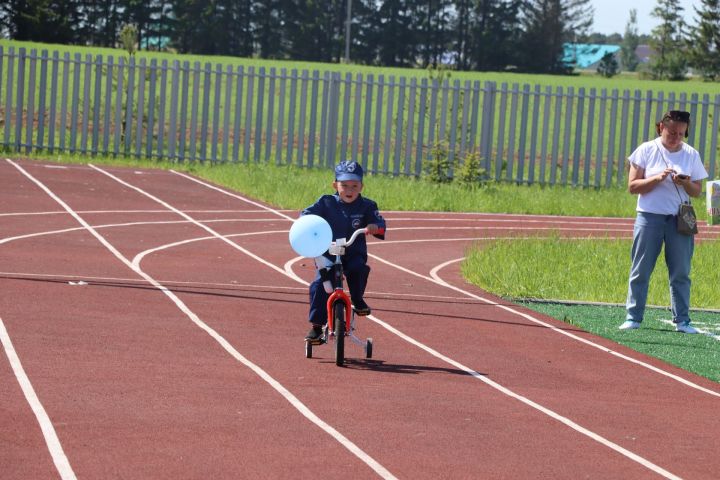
(356,275)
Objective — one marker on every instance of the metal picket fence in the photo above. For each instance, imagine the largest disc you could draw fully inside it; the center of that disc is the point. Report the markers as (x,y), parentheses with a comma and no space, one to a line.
(220,113)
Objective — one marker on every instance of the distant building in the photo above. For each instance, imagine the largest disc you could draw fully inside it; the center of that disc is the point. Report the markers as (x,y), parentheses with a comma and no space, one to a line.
(643,53)
(586,56)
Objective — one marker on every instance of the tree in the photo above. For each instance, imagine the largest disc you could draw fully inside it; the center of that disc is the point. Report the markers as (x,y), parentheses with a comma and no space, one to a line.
(630,42)
(397,39)
(128,38)
(42,20)
(704,41)
(595,37)
(99,22)
(608,66)
(315,29)
(432,22)
(363,33)
(668,42)
(267,18)
(491,37)
(548,25)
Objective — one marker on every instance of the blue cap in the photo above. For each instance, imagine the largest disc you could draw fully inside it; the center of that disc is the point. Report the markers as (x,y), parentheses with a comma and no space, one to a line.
(348,171)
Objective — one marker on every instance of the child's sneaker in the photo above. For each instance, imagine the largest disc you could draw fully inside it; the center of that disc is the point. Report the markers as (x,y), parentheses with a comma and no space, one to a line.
(361,308)
(315,333)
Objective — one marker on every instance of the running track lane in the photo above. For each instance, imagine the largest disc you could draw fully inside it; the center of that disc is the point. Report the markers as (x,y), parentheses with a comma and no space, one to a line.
(133,387)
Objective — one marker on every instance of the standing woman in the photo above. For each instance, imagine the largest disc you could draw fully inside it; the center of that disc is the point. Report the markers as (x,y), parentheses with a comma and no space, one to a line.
(664,172)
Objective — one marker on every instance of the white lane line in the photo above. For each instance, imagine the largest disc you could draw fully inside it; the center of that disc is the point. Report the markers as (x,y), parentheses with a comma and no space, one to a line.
(292,399)
(493,384)
(564,420)
(128,224)
(552,414)
(234,195)
(265,220)
(100,280)
(291,274)
(139,257)
(51,439)
(436,279)
(104,212)
(558,220)
(439,281)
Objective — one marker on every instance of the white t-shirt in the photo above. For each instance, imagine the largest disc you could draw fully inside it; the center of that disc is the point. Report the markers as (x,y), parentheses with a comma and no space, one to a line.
(664,199)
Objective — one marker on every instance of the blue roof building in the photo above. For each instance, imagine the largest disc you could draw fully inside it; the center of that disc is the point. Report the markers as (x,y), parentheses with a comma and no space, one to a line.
(584,55)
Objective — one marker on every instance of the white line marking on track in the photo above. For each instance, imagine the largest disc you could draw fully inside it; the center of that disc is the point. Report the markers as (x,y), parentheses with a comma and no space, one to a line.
(51,439)
(440,281)
(83,212)
(292,399)
(261,220)
(129,224)
(290,273)
(139,257)
(566,421)
(234,195)
(228,347)
(98,280)
(508,220)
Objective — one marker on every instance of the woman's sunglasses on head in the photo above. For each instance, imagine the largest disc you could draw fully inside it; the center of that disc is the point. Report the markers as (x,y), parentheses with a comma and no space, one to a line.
(678,116)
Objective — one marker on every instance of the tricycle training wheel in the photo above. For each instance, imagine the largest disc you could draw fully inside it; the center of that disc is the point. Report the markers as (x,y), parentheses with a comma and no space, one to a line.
(368,348)
(308,349)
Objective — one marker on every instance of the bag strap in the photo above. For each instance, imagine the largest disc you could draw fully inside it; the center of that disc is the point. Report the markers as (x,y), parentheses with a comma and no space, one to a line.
(662,155)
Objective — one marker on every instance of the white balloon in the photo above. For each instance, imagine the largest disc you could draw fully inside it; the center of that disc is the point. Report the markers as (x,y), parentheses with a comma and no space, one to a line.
(310,236)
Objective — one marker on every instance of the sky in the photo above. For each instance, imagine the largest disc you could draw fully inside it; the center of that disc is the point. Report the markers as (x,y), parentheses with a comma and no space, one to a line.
(611,16)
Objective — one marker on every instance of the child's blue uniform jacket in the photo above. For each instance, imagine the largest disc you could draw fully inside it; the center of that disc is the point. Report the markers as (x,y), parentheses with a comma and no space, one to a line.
(345,218)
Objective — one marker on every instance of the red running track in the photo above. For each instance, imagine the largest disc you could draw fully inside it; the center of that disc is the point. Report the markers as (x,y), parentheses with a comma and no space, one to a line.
(152,327)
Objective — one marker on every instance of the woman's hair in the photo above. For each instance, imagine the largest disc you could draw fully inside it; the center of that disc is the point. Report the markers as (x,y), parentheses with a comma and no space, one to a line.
(676,116)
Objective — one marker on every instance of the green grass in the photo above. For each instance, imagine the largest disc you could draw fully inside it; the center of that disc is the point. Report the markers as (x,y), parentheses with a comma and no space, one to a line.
(292,187)
(591,270)
(699,354)
(597,271)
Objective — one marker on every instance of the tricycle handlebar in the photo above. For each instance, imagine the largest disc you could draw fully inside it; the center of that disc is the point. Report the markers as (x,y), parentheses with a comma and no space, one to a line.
(338,246)
(356,233)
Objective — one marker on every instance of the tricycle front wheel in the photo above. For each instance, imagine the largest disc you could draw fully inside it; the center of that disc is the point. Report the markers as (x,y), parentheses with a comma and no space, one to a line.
(339,325)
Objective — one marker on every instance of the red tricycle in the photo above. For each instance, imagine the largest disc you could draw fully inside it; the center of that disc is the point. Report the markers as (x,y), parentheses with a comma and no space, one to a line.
(341,316)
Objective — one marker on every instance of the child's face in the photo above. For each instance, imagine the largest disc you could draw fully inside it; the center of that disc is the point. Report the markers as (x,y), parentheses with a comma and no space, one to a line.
(349,190)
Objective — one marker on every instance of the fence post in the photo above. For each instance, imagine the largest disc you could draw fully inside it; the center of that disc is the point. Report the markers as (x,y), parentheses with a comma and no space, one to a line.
(486,126)
(19,98)
(333,110)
